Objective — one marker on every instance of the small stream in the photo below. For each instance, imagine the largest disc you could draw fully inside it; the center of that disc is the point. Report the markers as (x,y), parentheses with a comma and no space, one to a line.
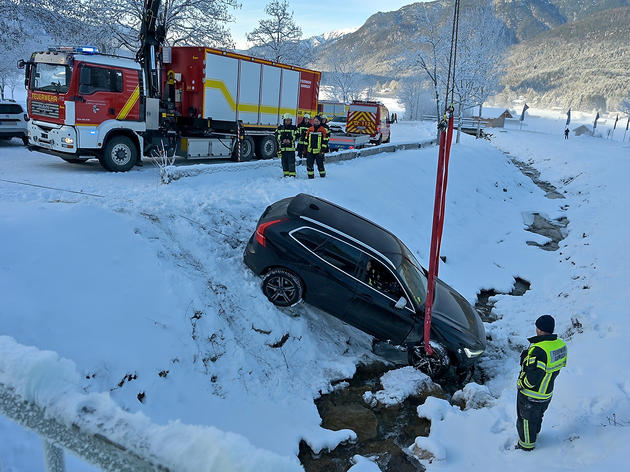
(385,433)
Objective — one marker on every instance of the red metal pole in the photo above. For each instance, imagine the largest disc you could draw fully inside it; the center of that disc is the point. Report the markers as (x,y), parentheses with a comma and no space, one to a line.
(441,181)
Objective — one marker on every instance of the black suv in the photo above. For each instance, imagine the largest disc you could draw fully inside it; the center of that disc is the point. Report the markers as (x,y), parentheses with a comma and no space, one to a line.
(309,249)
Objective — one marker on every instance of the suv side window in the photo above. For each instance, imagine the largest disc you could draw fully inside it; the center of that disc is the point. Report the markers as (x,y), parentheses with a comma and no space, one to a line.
(380,278)
(310,238)
(100,79)
(341,255)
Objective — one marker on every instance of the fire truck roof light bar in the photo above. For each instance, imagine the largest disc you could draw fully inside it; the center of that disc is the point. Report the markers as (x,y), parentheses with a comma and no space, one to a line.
(76,49)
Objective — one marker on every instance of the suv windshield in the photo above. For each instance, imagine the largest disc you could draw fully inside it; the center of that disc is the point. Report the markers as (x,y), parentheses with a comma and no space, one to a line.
(50,77)
(415,279)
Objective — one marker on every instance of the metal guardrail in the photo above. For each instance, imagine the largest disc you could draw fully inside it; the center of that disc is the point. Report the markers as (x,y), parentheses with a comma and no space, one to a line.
(57,436)
(176,172)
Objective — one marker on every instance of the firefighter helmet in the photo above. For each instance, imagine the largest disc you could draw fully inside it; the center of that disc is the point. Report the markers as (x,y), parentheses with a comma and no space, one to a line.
(307,116)
(287,116)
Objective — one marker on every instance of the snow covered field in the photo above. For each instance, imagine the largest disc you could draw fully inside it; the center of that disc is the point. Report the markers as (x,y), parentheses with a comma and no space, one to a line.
(142,287)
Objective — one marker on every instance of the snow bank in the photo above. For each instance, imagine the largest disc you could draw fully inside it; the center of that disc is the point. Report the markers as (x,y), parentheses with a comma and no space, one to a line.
(363,464)
(54,384)
(399,384)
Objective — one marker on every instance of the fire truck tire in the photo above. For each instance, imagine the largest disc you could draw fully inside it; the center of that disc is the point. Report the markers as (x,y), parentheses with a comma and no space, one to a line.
(266,147)
(247,149)
(120,154)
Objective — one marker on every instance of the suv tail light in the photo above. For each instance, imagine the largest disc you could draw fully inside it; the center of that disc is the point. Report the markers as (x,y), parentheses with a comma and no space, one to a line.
(260,231)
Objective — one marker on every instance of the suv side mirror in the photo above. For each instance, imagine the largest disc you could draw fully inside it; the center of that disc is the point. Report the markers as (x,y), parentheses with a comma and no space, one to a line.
(401,303)
(21,64)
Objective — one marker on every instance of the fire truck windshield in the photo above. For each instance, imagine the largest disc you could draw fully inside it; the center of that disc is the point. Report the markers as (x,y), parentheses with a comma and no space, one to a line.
(50,77)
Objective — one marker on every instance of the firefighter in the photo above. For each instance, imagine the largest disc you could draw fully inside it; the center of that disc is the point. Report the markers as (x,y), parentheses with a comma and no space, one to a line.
(315,148)
(302,128)
(540,365)
(286,134)
(327,138)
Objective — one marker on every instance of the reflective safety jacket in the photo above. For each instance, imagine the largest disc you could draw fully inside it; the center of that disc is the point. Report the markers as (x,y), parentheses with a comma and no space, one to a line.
(540,365)
(302,130)
(326,138)
(286,134)
(315,139)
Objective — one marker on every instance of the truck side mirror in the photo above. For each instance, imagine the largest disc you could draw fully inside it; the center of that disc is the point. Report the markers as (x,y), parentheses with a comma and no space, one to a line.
(401,303)
(21,64)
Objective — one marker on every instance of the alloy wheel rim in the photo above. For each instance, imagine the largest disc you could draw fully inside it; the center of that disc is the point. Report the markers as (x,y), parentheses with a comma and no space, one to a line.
(280,288)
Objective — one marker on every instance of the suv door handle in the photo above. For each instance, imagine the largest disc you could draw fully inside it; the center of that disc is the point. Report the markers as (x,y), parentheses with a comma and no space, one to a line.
(365,298)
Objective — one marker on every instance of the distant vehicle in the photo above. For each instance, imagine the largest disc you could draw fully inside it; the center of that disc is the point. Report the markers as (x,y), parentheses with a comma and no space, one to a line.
(369,118)
(338,124)
(366,122)
(331,108)
(306,248)
(13,121)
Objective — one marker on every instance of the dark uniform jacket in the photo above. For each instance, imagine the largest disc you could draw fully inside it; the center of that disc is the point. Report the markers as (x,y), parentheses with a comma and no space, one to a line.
(540,365)
(302,129)
(286,135)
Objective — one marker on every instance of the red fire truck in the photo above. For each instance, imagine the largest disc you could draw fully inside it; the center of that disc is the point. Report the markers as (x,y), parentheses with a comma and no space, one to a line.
(194,102)
(367,122)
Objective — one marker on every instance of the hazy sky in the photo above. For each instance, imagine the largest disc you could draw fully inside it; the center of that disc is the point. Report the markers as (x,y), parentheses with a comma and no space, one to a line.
(314,16)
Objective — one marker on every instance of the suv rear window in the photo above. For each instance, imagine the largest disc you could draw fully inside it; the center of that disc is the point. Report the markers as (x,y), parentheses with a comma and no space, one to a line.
(10,109)
(310,238)
(337,253)
(341,255)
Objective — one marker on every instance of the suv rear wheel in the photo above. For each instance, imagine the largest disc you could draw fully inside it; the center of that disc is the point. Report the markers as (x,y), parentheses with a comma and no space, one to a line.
(282,287)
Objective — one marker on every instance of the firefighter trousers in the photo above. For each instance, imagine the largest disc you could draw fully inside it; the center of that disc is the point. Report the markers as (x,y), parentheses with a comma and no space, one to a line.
(529,419)
(288,163)
(310,161)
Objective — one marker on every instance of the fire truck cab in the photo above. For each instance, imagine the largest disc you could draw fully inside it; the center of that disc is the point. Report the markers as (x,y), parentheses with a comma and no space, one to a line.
(83,104)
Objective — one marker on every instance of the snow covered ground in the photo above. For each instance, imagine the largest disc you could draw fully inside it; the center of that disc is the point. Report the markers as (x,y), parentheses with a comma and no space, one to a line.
(142,287)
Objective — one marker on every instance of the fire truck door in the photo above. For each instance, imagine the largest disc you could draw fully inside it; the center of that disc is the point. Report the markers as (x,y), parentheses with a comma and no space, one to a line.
(106,93)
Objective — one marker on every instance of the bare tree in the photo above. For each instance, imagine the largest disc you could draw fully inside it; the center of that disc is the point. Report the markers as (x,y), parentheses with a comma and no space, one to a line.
(277,38)
(415,94)
(342,76)
(481,50)
(428,47)
(191,22)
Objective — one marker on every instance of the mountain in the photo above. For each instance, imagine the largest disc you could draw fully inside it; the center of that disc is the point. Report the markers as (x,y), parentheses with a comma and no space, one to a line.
(559,50)
(584,64)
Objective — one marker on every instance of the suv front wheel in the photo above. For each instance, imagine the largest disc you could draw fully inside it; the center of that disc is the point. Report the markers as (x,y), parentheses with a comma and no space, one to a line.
(434,366)
(282,287)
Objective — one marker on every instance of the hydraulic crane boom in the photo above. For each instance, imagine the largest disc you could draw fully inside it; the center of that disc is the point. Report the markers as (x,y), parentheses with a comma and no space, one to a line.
(152,37)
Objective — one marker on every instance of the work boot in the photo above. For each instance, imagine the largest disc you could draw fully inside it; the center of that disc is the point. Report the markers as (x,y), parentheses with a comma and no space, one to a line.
(518,446)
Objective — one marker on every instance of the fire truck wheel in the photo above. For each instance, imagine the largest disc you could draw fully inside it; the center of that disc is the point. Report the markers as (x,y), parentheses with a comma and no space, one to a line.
(120,154)
(247,149)
(266,147)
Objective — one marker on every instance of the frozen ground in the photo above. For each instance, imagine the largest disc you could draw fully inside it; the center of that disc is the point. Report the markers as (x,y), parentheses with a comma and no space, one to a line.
(142,279)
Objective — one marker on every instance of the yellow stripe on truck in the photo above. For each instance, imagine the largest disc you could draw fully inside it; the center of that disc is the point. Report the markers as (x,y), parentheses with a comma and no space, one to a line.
(244,107)
(133,99)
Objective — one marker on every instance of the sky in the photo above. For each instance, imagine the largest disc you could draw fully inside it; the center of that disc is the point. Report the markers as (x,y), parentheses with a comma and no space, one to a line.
(313,16)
